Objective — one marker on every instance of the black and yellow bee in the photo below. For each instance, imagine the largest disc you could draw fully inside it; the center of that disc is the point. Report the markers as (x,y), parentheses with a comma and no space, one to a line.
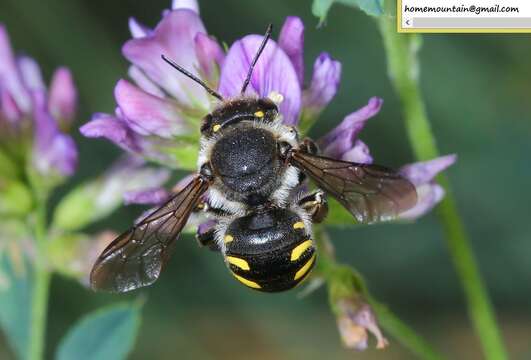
(250,167)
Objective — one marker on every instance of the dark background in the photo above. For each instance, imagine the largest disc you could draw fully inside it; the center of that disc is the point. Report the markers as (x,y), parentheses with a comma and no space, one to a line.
(477,93)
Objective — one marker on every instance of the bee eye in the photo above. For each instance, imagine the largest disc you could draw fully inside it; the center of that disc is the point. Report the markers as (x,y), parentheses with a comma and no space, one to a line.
(206,123)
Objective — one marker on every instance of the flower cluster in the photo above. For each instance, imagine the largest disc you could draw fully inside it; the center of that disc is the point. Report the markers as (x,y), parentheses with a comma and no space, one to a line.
(33,122)
(37,154)
(158,112)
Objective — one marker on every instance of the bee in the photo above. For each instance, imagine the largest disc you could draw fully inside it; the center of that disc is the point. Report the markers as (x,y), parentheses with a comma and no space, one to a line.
(250,170)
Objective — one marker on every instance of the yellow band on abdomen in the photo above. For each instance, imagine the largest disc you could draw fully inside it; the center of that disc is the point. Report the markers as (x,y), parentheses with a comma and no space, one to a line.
(299,249)
(241,263)
(246,282)
(305,268)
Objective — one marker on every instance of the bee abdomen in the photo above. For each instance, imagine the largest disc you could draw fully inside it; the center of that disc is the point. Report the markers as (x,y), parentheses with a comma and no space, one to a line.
(273,271)
(269,251)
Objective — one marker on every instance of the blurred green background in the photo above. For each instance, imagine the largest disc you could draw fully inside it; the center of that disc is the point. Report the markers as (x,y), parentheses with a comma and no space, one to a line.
(477,92)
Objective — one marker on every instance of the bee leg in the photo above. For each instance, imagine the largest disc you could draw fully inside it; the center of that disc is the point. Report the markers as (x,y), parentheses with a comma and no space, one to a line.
(316,205)
(207,238)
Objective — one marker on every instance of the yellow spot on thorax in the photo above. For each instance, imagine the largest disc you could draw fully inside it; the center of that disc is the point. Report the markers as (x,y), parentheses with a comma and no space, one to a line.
(299,249)
(298,225)
(228,238)
(216,127)
(246,282)
(241,263)
(305,268)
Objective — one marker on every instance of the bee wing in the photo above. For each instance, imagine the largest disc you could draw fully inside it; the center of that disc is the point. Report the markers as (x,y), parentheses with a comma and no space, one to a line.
(369,192)
(136,257)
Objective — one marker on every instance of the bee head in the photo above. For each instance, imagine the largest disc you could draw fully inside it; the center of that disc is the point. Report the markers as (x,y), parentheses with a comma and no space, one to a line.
(237,110)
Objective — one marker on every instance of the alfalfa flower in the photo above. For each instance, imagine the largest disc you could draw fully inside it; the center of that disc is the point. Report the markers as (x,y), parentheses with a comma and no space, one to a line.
(342,142)
(33,119)
(158,114)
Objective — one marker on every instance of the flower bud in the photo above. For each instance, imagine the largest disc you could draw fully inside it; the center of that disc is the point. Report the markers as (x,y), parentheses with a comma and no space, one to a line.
(355,320)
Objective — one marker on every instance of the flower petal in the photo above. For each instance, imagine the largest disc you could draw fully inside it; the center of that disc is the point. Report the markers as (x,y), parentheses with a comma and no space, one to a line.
(353,123)
(174,37)
(113,129)
(129,174)
(31,73)
(145,82)
(137,29)
(420,173)
(8,107)
(10,77)
(325,83)
(210,56)
(355,320)
(148,114)
(53,152)
(342,143)
(365,318)
(62,100)
(273,72)
(428,195)
(185,4)
(358,154)
(291,40)
(152,196)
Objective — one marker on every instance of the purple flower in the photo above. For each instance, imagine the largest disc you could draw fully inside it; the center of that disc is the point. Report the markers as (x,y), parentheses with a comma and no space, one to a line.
(422,174)
(163,108)
(25,104)
(175,37)
(53,151)
(62,100)
(342,142)
(163,105)
(274,72)
(291,40)
(324,85)
(150,196)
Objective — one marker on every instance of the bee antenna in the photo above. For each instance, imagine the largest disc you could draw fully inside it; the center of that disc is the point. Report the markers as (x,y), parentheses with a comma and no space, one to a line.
(267,36)
(182,70)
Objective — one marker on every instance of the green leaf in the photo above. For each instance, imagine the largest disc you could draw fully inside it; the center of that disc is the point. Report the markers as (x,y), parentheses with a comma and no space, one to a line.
(15,301)
(320,8)
(78,208)
(15,198)
(108,333)
(67,252)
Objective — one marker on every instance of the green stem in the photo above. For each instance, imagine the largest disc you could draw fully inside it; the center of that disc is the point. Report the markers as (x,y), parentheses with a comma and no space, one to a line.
(41,286)
(401,50)
(405,334)
(333,271)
